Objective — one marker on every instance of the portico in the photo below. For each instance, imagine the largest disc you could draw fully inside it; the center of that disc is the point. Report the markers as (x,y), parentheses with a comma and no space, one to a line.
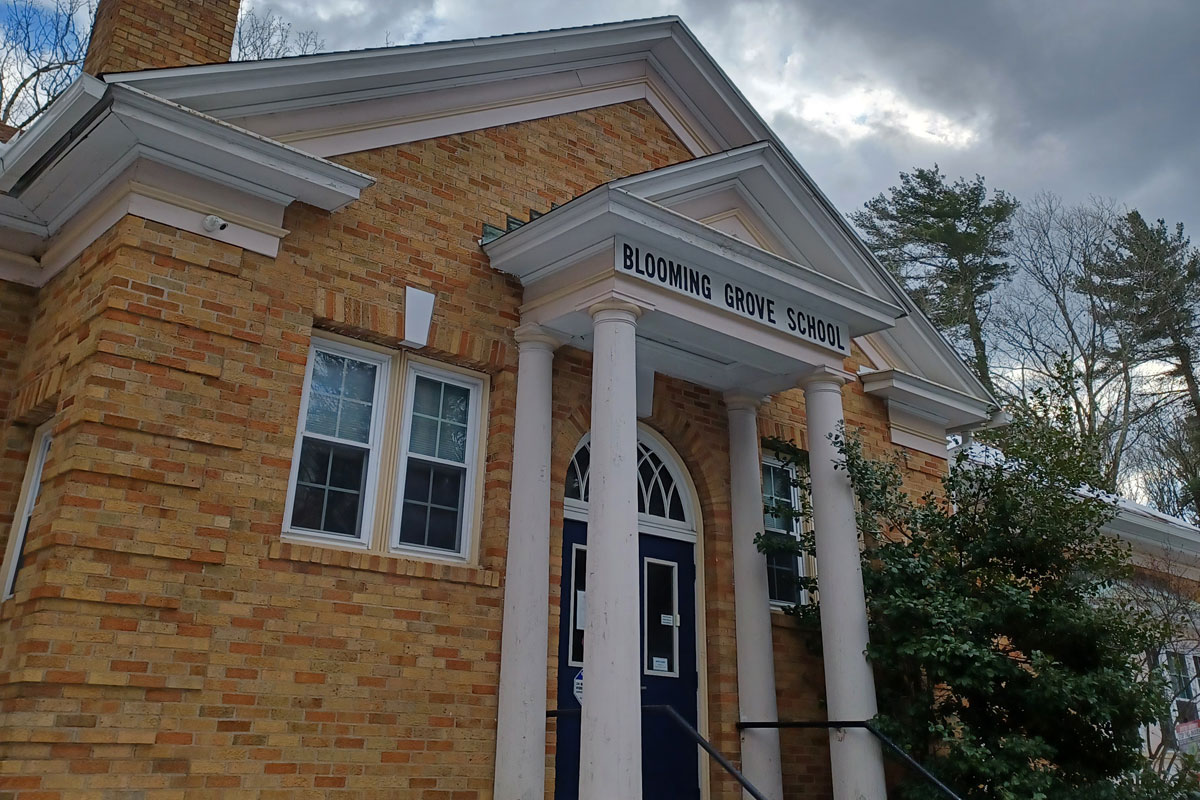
(647,289)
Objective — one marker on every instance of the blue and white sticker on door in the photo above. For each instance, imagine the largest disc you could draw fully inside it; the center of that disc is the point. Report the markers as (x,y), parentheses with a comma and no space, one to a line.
(577,687)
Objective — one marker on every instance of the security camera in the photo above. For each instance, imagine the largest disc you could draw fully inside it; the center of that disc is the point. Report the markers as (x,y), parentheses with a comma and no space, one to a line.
(214,223)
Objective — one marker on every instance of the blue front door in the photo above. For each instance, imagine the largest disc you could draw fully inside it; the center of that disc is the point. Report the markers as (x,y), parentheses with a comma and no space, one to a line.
(670,767)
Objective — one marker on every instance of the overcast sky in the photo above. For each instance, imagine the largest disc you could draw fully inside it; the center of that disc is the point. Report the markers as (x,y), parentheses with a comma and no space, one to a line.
(1079,97)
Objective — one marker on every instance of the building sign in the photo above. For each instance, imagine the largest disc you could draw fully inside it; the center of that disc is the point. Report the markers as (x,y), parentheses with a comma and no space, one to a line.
(577,687)
(754,304)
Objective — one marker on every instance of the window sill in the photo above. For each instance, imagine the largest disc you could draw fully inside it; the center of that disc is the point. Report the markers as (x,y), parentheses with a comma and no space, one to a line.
(386,563)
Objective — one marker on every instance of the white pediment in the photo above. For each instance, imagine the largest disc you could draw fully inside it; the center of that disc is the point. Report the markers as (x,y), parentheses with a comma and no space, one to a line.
(334,103)
(759,195)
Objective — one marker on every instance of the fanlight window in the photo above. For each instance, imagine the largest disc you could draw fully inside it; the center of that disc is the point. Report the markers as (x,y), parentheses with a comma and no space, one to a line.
(658,492)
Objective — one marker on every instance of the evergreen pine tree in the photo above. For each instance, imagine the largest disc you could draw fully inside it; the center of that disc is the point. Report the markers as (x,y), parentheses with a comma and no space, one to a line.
(1150,278)
(947,243)
(1149,282)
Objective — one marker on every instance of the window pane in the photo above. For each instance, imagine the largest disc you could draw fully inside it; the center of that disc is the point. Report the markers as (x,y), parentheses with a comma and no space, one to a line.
(782,574)
(676,512)
(327,373)
(423,437)
(432,514)
(348,467)
(574,487)
(427,397)
(783,483)
(456,402)
(646,472)
(355,422)
(578,596)
(413,523)
(452,442)
(330,481)
(660,617)
(657,506)
(340,397)
(360,381)
(447,487)
(314,462)
(322,414)
(342,512)
(583,460)
(416,482)
(777,492)
(443,528)
(308,507)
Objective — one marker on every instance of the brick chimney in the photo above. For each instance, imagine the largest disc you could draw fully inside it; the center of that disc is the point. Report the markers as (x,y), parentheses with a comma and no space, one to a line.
(140,34)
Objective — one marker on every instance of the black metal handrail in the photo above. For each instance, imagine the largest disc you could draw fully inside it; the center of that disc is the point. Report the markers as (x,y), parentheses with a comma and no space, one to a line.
(690,731)
(834,724)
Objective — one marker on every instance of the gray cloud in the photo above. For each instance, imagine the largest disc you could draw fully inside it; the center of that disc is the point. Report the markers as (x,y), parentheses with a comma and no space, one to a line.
(1078,97)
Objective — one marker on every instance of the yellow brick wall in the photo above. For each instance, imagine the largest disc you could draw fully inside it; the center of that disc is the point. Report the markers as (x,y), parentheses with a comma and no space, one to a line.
(16,304)
(163,639)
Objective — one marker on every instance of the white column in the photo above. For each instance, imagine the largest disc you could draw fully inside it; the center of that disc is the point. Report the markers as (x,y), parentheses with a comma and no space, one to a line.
(761,762)
(610,753)
(521,715)
(849,684)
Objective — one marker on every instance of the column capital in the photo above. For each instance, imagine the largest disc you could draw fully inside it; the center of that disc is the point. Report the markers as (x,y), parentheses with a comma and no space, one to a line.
(531,336)
(738,400)
(614,309)
(827,375)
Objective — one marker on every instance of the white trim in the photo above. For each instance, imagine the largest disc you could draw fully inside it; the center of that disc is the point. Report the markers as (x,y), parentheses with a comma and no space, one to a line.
(26,505)
(674,565)
(922,397)
(474,387)
(373,445)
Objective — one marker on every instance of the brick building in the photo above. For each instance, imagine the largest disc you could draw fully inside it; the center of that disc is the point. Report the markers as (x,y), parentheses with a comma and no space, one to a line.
(323,386)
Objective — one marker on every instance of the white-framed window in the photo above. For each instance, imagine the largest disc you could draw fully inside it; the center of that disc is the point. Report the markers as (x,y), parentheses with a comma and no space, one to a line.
(26,504)
(335,466)
(783,570)
(387,452)
(1183,677)
(438,461)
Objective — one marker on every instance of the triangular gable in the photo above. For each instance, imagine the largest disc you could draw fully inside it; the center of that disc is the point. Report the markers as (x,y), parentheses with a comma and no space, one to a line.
(346,102)
(754,193)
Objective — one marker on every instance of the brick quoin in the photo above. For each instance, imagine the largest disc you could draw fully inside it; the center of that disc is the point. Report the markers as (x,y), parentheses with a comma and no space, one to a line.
(164,641)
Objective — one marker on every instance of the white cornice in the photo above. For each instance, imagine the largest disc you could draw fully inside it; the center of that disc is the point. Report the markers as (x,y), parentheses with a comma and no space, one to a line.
(270,86)
(555,241)
(98,155)
(952,408)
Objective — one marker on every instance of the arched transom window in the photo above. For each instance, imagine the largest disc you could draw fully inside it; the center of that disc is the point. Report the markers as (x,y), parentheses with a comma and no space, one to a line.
(662,494)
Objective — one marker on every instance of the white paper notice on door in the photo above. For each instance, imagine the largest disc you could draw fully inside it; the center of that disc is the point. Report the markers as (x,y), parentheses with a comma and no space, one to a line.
(580,610)
(660,664)
(666,619)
